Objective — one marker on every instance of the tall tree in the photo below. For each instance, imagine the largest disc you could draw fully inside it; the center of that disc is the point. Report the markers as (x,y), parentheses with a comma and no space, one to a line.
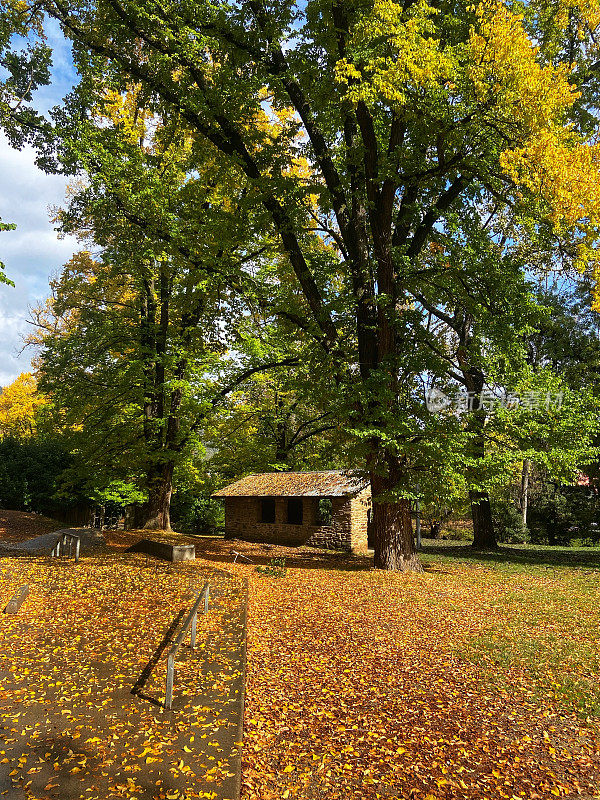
(409,112)
(478,310)
(494,333)
(20,402)
(566,341)
(132,340)
(270,424)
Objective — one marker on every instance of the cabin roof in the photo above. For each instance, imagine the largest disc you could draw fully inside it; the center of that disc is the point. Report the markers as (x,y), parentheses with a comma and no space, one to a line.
(329,483)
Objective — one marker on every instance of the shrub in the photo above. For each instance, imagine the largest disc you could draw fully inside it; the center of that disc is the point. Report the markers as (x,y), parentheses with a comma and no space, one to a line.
(562,515)
(508,523)
(195,513)
(29,471)
(276,568)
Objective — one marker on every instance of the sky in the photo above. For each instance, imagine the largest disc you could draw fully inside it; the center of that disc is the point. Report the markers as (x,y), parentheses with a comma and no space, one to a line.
(33,252)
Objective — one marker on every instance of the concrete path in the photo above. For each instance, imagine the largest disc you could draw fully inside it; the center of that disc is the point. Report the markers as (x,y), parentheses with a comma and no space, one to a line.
(91,540)
(124,744)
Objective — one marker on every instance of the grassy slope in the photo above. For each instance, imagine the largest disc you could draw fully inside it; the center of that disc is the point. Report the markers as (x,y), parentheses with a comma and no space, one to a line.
(18,526)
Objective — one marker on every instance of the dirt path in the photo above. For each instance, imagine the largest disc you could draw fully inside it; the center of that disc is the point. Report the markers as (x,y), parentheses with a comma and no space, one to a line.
(91,541)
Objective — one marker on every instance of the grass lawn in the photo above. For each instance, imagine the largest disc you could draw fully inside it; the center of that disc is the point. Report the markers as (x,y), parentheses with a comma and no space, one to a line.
(549,626)
(478,679)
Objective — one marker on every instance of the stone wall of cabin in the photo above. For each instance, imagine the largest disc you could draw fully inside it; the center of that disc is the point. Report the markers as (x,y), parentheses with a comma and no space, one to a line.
(360,508)
(347,530)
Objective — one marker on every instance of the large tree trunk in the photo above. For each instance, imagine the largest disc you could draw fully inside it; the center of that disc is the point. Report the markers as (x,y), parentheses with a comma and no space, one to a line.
(392,527)
(160,489)
(484,537)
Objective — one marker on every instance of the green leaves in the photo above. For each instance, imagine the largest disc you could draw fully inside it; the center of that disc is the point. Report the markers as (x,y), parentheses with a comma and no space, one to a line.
(358,189)
(4,226)
(25,59)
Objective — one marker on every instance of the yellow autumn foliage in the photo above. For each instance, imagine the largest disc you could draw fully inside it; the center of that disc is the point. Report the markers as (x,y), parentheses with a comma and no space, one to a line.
(412,56)
(506,77)
(19,403)
(138,126)
(564,171)
(498,82)
(580,17)
(553,163)
(124,113)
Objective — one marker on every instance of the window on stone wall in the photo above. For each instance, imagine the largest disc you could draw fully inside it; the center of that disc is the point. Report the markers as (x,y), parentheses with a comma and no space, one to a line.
(267,509)
(294,511)
(324,511)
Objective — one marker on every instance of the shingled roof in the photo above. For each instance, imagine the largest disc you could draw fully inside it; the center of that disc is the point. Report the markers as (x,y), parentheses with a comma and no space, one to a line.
(333,483)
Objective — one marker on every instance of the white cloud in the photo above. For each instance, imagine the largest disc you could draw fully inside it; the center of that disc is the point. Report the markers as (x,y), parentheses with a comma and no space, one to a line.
(31,253)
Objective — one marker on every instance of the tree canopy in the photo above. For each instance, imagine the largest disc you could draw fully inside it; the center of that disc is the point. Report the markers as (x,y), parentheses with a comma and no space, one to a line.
(396,162)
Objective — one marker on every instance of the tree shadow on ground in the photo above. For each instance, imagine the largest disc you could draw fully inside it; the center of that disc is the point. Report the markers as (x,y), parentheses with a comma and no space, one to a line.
(515,555)
(224,552)
(220,551)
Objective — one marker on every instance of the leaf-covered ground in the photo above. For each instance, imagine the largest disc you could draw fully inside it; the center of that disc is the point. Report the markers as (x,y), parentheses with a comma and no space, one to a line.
(477,679)
(18,526)
(473,680)
(88,635)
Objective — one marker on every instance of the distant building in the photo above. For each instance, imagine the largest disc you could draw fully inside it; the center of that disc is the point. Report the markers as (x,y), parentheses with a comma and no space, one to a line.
(320,509)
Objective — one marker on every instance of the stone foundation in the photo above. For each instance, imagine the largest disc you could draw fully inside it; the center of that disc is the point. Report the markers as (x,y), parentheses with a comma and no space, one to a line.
(170,552)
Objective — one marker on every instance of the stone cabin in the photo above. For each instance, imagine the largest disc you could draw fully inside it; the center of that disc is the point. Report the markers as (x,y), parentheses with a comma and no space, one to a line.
(320,509)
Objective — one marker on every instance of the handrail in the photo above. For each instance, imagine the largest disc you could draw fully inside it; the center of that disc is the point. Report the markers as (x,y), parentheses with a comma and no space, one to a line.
(67,538)
(240,555)
(190,622)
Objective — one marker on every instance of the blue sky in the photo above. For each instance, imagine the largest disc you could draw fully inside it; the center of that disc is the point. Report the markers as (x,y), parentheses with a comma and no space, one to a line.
(32,252)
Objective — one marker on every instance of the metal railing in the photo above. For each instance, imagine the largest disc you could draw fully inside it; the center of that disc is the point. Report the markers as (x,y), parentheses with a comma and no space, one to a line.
(191,623)
(243,557)
(61,546)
